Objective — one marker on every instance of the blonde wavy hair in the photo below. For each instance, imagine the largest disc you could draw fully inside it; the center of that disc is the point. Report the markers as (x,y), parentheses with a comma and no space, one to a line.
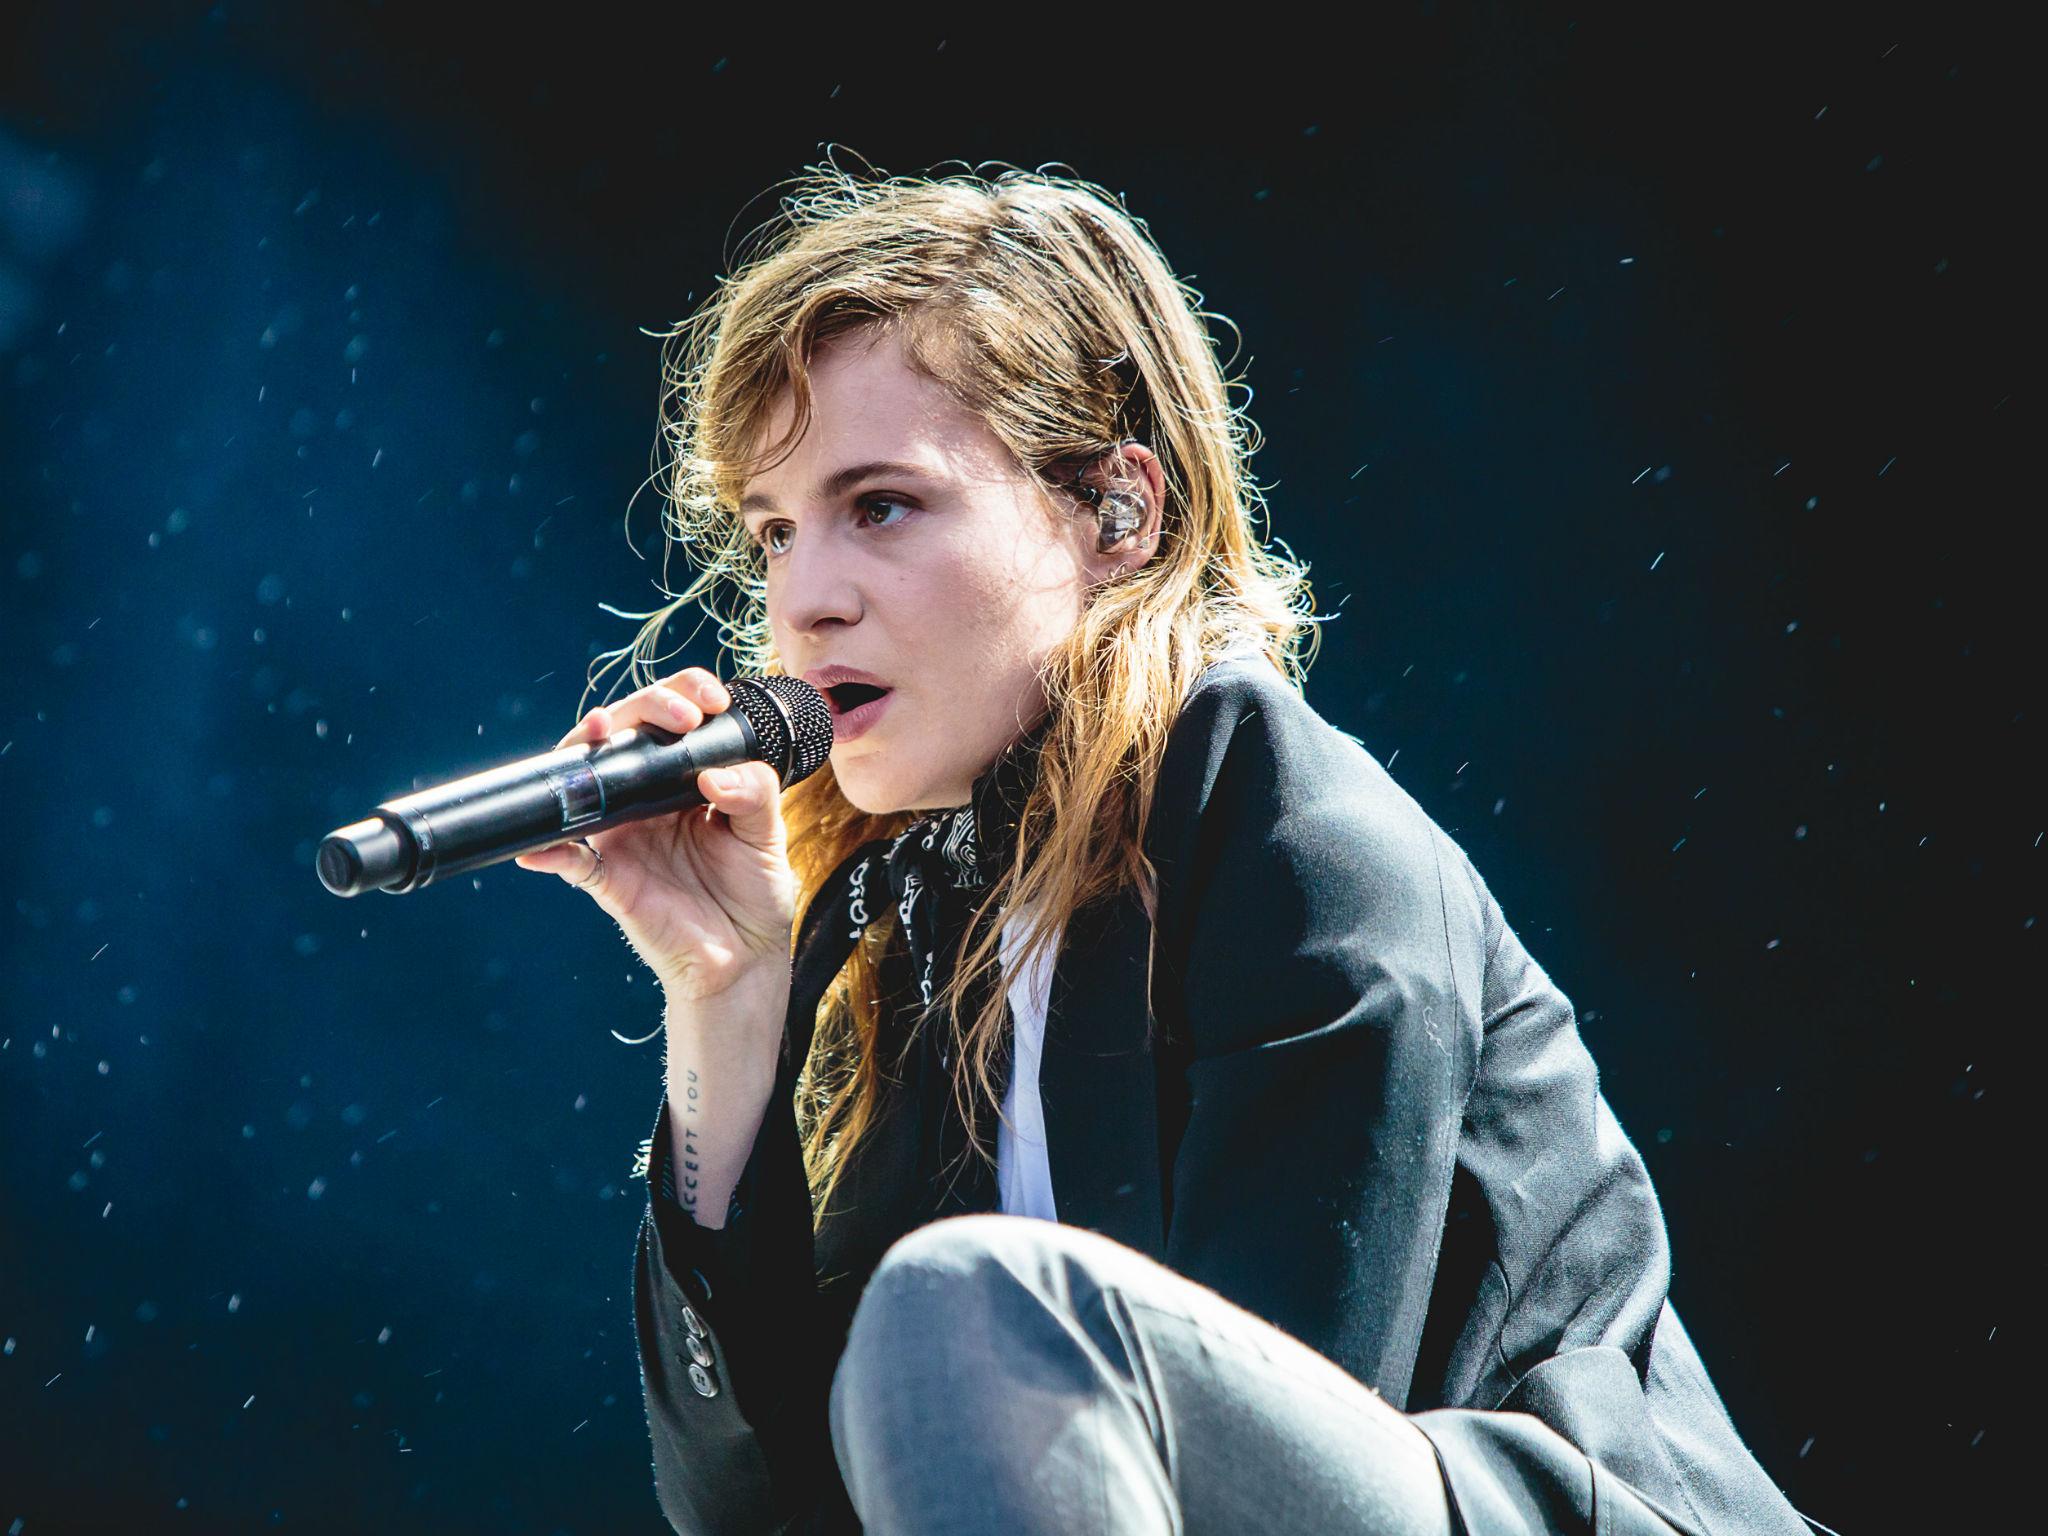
(1039,302)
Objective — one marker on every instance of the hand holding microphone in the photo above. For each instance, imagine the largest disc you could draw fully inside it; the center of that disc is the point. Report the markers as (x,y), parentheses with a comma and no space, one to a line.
(693,864)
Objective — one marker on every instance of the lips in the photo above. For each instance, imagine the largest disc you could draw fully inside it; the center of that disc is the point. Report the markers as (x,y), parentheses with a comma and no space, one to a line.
(847,697)
(847,689)
(862,706)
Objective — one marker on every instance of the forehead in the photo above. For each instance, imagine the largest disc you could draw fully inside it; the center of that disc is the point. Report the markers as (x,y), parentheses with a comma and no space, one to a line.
(869,404)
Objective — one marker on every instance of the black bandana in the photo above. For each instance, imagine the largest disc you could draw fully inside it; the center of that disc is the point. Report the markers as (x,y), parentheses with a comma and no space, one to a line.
(940,868)
(936,873)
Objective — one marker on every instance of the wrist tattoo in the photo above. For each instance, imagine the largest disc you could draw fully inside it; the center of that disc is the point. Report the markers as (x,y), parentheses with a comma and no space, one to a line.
(692,1100)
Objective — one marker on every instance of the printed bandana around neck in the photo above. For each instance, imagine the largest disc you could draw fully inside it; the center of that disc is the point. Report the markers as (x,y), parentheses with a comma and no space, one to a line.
(935,873)
(939,867)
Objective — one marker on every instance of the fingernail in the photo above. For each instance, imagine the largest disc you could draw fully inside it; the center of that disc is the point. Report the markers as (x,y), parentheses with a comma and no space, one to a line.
(725,779)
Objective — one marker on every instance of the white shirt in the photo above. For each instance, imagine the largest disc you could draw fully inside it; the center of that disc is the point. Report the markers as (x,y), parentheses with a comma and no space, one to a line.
(1023,1174)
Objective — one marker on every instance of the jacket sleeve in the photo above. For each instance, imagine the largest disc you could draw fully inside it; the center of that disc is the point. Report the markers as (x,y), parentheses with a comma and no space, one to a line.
(733,1368)
(1326,982)
(1365,1035)
(1573,1398)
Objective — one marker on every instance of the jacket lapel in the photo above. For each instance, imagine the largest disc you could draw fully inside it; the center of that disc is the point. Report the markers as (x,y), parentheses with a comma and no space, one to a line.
(1097,1084)
(1097,1080)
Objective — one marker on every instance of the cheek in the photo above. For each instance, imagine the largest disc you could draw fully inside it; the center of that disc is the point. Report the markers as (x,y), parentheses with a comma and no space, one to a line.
(985,623)
(1026,588)
(953,594)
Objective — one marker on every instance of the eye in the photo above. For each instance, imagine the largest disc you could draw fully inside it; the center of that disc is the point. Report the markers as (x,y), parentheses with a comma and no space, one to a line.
(863,508)
(868,503)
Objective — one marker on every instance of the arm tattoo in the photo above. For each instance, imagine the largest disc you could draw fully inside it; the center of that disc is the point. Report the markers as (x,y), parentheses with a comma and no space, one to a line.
(692,1102)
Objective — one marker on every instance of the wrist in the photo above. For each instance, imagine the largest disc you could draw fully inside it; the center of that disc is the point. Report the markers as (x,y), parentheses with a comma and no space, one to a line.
(693,988)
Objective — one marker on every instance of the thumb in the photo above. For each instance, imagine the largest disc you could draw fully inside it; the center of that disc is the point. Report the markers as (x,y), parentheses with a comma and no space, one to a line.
(750,796)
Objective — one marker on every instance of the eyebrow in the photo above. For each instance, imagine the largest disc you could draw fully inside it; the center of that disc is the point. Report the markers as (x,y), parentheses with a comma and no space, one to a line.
(842,481)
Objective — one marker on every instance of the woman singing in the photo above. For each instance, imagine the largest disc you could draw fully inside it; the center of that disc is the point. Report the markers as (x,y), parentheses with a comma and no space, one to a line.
(1101,1099)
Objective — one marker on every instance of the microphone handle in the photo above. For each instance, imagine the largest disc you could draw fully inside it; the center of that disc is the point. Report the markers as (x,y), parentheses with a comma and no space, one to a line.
(500,813)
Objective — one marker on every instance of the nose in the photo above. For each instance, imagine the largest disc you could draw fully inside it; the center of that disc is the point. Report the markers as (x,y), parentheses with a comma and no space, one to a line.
(812,586)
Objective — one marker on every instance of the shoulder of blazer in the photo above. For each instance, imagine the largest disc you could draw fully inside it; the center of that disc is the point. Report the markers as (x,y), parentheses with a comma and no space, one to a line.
(1253,775)
(1243,706)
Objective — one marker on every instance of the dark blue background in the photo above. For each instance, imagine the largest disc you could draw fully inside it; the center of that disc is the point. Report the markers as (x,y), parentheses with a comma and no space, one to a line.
(1649,405)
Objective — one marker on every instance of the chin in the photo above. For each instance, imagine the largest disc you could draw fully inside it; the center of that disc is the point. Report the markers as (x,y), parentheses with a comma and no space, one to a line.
(877,794)
(866,792)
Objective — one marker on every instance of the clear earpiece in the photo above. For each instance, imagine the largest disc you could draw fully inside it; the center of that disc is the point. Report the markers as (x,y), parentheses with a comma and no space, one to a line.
(1119,513)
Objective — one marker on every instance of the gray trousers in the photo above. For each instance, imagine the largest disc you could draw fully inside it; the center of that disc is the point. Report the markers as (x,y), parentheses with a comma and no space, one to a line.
(1008,1374)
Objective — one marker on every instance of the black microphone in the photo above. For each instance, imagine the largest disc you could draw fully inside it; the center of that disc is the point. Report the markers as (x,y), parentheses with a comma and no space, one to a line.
(633,774)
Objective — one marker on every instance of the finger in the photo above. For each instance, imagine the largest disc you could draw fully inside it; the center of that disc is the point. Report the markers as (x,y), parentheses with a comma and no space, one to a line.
(575,862)
(658,704)
(673,708)
(702,685)
(652,705)
(750,796)
(594,726)
(711,694)
(588,873)
(678,703)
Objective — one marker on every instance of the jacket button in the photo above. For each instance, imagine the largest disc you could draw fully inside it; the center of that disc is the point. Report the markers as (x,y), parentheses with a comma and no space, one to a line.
(701,1380)
(699,1350)
(693,1322)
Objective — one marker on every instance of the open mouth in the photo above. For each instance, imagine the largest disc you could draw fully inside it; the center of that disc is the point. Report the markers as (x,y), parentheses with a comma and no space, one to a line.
(847,697)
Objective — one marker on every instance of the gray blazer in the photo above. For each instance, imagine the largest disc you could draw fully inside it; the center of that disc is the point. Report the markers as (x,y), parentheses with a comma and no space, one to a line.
(1370,1119)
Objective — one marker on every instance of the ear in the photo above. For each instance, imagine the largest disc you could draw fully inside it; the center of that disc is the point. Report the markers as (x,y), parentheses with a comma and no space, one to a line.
(1132,470)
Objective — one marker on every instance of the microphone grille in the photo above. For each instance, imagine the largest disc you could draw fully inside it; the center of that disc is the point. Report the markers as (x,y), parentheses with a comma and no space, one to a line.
(791,718)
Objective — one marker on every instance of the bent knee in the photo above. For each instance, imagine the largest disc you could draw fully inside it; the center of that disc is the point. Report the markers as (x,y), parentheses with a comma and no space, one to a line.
(957,1277)
(925,1296)
(965,1301)
(980,1279)
(944,1265)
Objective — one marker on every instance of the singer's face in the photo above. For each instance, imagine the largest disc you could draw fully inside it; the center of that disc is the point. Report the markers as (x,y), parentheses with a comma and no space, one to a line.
(941,569)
